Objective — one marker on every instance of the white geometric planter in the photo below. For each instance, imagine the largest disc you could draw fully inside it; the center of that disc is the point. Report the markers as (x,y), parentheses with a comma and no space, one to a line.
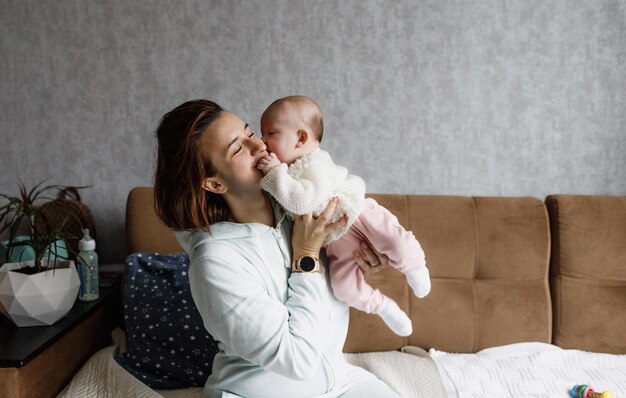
(39,299)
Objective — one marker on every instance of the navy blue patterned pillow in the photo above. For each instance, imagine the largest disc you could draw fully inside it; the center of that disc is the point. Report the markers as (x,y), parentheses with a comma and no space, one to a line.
(166,343)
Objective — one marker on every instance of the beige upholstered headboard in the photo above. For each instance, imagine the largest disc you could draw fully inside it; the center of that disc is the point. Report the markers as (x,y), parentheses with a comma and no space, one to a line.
(144,231)
(488,258)
(588,272)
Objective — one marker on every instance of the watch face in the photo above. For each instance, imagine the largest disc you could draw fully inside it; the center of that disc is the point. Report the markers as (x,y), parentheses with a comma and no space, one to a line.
(307,264)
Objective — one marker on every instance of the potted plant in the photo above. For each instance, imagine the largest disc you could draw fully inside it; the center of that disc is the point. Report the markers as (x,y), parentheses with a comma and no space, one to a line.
(41,284)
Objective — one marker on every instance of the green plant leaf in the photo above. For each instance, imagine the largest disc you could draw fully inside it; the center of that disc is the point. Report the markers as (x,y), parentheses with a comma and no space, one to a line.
(21,215)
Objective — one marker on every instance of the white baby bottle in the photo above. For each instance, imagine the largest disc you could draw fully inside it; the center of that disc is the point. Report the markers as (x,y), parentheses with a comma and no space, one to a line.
(88,268)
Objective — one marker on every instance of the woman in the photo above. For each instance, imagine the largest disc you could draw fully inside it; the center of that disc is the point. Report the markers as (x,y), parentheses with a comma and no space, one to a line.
(255,278)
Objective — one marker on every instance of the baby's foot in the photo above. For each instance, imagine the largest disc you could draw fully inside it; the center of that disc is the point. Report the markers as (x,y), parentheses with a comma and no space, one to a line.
(395,318)
(419,282)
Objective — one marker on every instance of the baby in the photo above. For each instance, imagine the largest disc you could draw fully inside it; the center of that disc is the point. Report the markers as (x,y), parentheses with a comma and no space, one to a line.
(303,178)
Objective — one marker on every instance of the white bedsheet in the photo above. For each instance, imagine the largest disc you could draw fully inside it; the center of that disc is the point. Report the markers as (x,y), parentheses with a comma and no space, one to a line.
(411,373)
(528,370)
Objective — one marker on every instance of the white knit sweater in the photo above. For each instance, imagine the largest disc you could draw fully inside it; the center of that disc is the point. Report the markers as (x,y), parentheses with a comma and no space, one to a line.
(308,184)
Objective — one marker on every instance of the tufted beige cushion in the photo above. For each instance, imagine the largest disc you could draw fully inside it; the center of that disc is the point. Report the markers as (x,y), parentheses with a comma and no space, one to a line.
(144,231)
(588,271)
(488,259)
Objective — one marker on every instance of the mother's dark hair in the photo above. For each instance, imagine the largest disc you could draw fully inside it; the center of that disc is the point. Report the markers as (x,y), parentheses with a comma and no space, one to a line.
(182,166)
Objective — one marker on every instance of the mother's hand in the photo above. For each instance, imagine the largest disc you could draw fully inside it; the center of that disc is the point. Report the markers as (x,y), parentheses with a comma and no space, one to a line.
(369,259)
(308,233)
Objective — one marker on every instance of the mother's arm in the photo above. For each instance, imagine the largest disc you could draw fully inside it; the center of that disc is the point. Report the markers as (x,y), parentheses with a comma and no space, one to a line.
(237,310)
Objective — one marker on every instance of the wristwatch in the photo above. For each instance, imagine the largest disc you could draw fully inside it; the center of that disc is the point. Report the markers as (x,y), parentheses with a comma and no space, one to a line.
(306,264)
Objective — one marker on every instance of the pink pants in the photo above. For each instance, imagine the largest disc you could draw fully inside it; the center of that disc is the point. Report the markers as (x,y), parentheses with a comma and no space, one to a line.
(382,230)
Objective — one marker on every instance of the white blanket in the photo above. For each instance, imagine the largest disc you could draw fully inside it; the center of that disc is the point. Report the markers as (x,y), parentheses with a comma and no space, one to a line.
(529,370)
(412,373)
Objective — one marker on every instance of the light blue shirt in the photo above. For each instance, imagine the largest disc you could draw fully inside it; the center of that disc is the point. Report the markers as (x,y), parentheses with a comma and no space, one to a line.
(279,334)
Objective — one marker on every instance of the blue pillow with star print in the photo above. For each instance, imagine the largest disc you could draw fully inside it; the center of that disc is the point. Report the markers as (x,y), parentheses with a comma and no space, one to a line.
(166,344)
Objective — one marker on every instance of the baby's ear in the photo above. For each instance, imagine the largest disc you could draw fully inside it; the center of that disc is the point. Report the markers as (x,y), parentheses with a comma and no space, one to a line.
(303,137)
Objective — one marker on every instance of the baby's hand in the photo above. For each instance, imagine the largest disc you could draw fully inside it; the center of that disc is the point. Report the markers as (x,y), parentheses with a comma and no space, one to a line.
(268,162)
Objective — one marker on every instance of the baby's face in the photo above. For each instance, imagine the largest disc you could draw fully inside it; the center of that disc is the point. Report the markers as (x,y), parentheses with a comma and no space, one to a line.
(280,134)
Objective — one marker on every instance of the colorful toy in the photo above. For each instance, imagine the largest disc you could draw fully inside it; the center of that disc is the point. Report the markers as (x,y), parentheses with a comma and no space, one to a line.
(585,391)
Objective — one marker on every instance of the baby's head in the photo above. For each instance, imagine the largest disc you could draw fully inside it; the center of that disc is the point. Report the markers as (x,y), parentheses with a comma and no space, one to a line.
(292,127)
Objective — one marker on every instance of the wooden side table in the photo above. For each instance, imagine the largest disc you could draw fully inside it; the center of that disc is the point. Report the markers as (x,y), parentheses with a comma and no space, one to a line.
(39,361)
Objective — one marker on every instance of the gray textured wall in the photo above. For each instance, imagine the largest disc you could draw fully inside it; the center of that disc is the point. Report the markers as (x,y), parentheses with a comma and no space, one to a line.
(431,97)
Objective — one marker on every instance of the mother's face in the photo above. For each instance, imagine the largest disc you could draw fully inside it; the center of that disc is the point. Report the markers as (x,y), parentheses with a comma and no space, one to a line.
(234,151)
